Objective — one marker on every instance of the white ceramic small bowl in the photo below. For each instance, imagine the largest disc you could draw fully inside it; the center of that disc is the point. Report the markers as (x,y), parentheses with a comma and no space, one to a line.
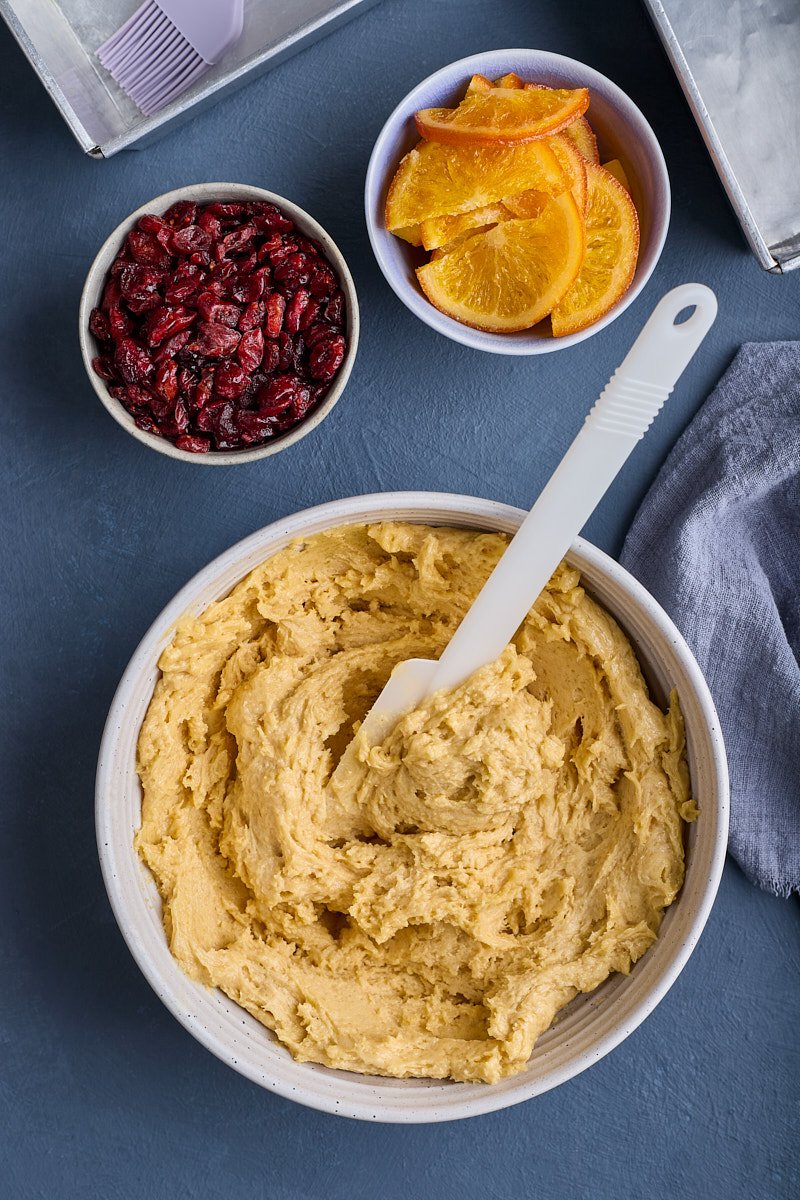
(622,132)
(592,1024)
(93,290)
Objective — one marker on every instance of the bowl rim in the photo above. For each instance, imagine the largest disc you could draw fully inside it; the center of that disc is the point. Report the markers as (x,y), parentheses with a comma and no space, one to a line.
(204,192)
(374,1102)
(489,62)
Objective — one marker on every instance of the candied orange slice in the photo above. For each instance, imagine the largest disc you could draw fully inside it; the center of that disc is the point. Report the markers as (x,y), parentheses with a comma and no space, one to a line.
(434,180)
(582,135)
(503,115)
(615,168)
(526,205)
(573,164)
(511,80)
(410,233)
(440,231)
(479,83)
(612,248)
(510,276)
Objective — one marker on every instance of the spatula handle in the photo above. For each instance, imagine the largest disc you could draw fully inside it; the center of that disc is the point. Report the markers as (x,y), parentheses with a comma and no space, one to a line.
(620,417)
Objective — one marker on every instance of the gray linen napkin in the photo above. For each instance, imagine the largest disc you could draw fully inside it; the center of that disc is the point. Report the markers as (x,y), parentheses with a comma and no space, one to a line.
(717,542)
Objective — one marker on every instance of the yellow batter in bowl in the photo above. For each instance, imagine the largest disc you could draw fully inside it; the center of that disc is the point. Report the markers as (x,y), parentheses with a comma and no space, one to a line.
(510,844)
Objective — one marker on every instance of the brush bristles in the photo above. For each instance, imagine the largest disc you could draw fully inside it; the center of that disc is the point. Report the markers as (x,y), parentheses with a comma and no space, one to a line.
(150,59)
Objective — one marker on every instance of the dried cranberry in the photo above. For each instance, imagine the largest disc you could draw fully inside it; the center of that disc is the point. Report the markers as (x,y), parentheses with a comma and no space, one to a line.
(267,216)
(132,361)
(326,357)
(285,352)
(165,322)
(194,443)
(275,306)
(303,400)
(310,314)
(209,223)
(185,283)
(334,309)
(150,223)
(252,287)
(165,380)
(277,395)
(211,308)
(246,288)
(321,282)
(295,309)
(293,270)
(104,367)
(147,250)
(204,390)
(181,214)
(250,350)
(316,333)
(118,266)
(137,399)
(271,356)
(112,293)
(119,322)
(171,346)
(238,240)
(190,240)
(99,326)
(282,251)
(215,340)
(268,245)
(230,380)
(255,427)
(252,317)
(230,209)
(139,286)
(143,421)
(180,419)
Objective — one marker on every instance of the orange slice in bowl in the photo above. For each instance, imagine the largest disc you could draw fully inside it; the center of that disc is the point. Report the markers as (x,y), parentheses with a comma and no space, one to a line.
(440,231)
(582,135)
(615,168)
(612,248)
(434,180)
(510,276)
(503,115)
(410,233)
(479,83)
(573,164)
(511,80)
(526,205)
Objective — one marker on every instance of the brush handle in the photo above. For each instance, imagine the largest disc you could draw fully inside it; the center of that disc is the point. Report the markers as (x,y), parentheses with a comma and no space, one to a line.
(620,417)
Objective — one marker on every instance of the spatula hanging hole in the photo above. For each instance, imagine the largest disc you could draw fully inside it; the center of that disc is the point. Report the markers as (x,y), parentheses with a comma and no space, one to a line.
(685,314)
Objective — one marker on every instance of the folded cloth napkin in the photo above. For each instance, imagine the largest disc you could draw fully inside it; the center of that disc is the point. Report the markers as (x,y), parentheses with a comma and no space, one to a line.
(717,542)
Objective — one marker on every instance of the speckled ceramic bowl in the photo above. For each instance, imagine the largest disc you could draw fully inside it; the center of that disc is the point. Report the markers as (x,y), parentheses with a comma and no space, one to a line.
(622,133)
(592,1024)
(93,290)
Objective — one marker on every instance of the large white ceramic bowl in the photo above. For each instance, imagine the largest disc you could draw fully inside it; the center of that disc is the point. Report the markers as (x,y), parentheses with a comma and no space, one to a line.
(622,131)
(591,1025)
(204,193)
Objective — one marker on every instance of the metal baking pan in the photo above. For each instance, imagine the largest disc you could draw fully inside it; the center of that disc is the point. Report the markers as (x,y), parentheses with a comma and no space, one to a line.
(738,63)
(60,37)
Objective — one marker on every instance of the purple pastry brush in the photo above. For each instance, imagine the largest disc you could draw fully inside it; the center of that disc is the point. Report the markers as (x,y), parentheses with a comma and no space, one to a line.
(167,44)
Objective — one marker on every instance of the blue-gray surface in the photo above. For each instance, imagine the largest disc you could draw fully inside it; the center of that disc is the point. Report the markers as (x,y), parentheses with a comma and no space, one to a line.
(103,1094)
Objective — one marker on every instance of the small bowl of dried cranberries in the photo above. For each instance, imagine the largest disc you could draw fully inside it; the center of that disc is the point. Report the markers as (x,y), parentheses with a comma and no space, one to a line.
(219,323)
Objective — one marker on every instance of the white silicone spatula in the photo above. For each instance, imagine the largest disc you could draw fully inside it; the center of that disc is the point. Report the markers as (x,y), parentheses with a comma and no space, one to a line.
(620,418)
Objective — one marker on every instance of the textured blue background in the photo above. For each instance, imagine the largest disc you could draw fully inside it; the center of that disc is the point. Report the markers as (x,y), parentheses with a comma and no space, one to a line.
(103,1094)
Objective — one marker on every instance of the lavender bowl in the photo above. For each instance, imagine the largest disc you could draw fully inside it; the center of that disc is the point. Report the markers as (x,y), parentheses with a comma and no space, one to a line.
(622,132)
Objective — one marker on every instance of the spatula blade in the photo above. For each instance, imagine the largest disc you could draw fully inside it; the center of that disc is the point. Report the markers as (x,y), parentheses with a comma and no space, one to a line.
(406,687)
